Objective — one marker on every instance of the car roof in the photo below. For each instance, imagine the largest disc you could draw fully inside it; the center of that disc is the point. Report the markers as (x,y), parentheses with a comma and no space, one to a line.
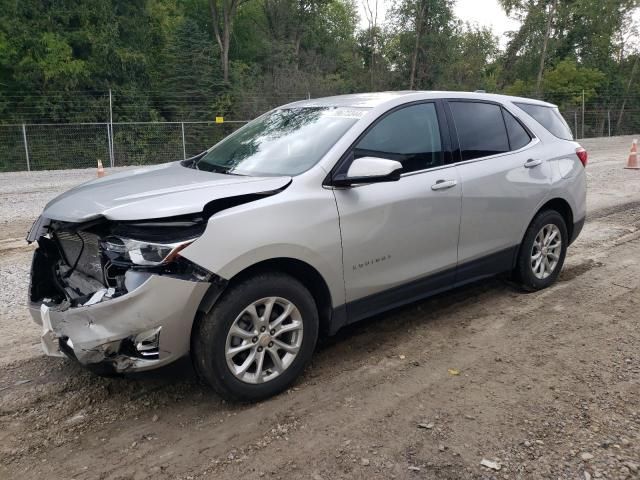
(375,99)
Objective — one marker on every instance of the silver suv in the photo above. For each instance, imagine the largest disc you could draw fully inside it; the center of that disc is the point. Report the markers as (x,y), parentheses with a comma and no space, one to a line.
(311,217)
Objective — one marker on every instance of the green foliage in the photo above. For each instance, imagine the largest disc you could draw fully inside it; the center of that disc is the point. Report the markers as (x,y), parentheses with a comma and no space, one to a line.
(52,59)
(568,80)
(160,57)
(470,59)
(519,88)
(592,33)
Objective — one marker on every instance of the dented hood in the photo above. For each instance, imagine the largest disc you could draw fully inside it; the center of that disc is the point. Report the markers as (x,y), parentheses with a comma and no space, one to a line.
(153,192)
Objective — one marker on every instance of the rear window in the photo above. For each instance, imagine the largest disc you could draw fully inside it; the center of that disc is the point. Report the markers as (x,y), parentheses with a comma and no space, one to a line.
(549,118)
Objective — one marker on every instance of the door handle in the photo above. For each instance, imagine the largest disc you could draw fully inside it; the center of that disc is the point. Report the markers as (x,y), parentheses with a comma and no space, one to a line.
(532,163)
(443,184)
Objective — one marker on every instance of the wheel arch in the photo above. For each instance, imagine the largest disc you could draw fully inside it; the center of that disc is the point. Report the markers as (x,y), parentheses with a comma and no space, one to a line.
(306,274)
(561,206)
(558,204)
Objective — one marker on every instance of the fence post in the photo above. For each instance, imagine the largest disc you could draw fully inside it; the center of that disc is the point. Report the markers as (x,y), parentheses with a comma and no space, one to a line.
(609,121)
(111,155)
(582,136)
(184,147)
(26,146)
(109,145)
(575,123)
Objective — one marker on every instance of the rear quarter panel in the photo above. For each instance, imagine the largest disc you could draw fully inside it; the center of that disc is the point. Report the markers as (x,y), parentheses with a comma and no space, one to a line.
(570,180)
(568,176)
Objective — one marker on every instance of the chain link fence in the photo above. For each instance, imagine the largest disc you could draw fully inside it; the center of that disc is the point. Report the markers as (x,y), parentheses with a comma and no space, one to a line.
(51,146)
(601,122)
(80,145)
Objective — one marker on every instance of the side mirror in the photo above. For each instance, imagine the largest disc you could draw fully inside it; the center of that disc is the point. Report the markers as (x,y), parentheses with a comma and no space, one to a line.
(369,170)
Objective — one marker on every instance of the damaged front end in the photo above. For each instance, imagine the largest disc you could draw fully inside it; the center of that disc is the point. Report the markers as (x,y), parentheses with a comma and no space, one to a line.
(117,295)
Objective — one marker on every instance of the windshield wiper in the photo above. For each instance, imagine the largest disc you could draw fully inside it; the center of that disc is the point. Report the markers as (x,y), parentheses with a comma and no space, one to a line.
(212,167)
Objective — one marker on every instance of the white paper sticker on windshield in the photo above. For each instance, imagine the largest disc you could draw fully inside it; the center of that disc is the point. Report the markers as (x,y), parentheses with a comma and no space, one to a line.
(345,112)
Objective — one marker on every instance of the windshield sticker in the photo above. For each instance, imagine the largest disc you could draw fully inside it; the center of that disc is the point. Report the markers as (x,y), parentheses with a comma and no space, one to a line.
(342,112)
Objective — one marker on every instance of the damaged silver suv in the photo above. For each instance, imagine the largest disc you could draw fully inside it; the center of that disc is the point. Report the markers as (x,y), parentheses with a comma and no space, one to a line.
(313,216)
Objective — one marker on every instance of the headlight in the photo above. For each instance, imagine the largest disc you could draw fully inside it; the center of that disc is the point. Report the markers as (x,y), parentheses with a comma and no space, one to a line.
(138,252)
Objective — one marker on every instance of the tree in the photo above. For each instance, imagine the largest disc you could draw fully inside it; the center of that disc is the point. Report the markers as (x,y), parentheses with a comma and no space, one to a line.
(570,81)
(545,43)
(471,59)
(589,31)
(192,59)
(371,14)
(223,16)
(422,7)
(425,31)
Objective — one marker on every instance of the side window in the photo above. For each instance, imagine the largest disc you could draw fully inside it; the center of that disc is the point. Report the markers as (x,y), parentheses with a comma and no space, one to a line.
(410,135)
(518,136)
(480,127)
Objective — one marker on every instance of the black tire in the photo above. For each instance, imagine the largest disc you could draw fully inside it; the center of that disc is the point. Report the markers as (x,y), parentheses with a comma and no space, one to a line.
(210,336)
(523,272)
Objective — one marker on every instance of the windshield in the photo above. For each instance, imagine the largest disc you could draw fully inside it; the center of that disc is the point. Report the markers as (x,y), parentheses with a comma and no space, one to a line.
(287,141)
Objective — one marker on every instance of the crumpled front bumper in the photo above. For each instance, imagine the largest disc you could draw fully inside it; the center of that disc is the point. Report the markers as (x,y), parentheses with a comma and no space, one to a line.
(102,334)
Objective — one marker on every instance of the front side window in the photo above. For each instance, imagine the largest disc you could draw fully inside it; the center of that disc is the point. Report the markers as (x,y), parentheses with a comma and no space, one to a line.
(287,141)
(410,135)
(481,129)
(550,118)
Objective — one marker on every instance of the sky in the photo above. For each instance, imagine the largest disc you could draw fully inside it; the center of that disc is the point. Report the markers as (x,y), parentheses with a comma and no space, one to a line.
(486,13)
(482,12)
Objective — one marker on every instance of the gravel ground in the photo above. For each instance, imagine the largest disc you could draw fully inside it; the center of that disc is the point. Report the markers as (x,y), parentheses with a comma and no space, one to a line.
(23,195)
(548,382)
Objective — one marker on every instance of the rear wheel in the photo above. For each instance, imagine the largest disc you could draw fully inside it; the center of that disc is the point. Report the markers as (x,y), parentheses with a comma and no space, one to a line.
(542,251)
(258,337)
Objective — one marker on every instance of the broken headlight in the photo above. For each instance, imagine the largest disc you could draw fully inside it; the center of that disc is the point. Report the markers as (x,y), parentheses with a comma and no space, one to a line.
(128,251)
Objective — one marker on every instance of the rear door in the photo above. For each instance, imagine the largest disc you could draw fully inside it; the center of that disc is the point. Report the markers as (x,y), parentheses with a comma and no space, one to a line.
(503,182)
(400,238)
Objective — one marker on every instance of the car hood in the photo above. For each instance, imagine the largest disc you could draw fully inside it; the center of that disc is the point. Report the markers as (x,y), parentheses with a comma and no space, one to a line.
(153,192)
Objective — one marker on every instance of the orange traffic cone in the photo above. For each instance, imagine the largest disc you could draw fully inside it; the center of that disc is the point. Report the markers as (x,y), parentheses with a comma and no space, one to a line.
(632,162)
(100,169)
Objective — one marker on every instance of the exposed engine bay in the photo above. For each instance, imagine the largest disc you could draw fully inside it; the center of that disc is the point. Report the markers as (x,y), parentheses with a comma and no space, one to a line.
(78,267)
(117,295)
(83,264)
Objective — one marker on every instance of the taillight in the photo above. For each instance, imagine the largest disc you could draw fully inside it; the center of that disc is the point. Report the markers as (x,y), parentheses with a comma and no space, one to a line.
(582,155)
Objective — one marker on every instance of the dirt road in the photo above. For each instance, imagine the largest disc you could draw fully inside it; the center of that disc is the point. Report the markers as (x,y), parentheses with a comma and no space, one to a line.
(548,383)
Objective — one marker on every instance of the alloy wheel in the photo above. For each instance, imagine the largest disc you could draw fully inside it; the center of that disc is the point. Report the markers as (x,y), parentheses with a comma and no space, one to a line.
(264,340)
(545,253)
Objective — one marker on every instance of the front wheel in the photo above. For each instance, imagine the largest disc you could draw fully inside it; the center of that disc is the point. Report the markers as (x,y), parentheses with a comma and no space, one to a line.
(542,251)
(258,337)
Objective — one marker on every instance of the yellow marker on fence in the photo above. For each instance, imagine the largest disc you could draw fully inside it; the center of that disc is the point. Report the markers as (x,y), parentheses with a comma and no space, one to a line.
(219,119)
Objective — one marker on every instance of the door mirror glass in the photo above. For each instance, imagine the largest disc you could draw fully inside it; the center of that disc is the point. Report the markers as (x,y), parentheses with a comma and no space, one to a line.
(370,170)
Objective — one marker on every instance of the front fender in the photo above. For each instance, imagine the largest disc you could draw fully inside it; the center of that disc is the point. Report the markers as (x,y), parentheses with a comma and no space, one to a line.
(298,223)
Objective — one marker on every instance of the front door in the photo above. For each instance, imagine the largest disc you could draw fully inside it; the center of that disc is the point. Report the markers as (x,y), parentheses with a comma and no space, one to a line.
(400,239)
